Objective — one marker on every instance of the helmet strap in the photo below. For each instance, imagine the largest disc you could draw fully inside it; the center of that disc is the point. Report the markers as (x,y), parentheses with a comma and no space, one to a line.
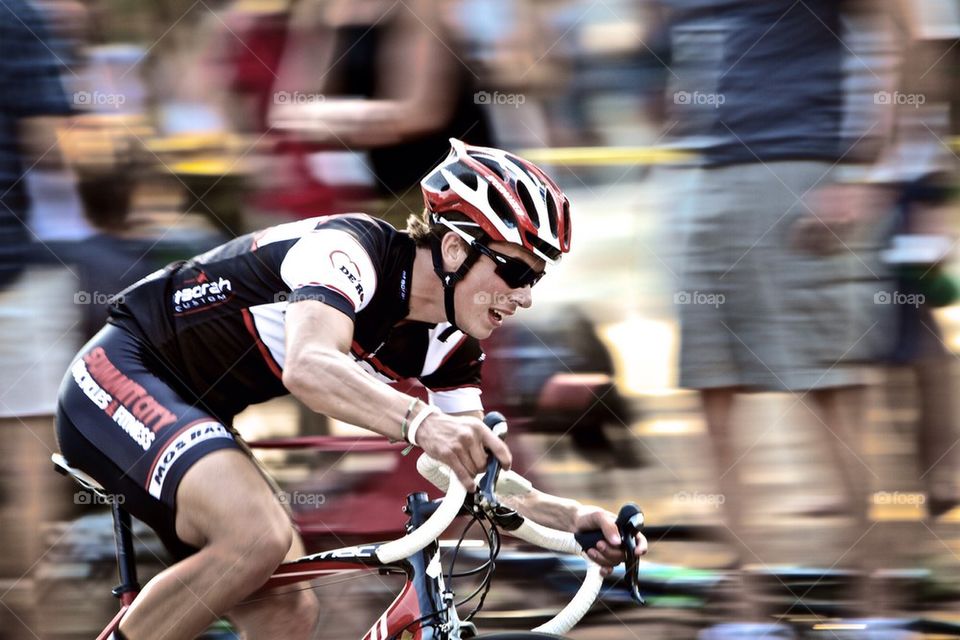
(449,279)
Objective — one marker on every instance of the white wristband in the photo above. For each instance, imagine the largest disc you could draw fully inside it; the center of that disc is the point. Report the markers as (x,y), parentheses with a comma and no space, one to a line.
(417,421)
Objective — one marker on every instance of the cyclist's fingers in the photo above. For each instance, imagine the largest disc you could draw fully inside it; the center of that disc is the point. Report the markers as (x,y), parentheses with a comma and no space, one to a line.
(608,554)
(476,454)
(611,534)
(466,477)
(498,448)
(642,544)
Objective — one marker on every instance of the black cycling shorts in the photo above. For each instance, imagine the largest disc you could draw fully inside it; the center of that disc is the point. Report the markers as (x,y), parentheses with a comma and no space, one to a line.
(121,421)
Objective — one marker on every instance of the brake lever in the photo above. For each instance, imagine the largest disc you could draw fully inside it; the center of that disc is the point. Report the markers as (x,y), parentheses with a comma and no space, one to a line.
(488,482)
(629,524)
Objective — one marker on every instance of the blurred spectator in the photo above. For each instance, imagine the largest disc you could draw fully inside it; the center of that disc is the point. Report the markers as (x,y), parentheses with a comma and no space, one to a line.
(921,171)
(390,82)
(34,301)
(31,99)
(777,232)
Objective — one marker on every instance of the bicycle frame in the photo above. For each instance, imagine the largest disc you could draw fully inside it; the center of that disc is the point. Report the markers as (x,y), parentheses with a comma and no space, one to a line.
(423,594)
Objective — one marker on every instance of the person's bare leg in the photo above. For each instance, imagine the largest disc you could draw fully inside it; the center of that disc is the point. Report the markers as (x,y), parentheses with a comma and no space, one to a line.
(225,508)
(292,615)
(936,433)
(717,409)
(841,413)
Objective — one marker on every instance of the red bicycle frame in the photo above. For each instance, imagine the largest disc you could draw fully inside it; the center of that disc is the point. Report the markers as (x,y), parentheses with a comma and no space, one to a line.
(423,598)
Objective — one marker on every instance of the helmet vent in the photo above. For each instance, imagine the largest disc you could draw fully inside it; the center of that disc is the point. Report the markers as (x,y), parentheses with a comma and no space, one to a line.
(491,164)
(542,246)
(528,205)
(466,175)
(501,208)
(552,214)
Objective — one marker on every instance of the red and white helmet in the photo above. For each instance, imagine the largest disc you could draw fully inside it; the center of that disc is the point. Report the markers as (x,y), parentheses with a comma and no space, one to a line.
(507,197)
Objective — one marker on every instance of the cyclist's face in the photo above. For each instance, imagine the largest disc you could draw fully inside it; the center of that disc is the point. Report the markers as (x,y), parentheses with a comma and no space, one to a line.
(485,300)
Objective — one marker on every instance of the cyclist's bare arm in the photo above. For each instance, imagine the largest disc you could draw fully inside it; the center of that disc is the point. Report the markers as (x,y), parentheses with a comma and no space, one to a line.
(569,515)
(321,374)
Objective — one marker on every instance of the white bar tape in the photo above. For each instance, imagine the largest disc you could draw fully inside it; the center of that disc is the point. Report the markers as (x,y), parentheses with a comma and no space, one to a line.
(509,483)
(553,539)
(578,607)
(431,470)
(429,530)
(417,421)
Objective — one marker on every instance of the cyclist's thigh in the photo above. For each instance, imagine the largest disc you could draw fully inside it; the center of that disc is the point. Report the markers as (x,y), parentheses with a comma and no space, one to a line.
(131,430)
(262,613)
(223,490)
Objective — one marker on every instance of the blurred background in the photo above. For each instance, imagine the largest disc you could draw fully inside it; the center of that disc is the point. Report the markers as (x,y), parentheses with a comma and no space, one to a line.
(754,338)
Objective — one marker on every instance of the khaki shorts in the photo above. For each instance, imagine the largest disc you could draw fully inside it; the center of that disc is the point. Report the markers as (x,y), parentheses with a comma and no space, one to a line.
(756,312)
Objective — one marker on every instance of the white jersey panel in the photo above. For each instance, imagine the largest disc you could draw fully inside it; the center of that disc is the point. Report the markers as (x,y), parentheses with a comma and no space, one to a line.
(438,351)
(333,259)
(457,400)
(269,323)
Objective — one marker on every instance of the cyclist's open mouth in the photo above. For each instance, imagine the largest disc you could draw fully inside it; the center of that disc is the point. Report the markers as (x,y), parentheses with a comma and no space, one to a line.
(496,318)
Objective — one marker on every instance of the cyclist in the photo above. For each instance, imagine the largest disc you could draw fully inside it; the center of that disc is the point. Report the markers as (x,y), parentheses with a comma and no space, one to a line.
(328,309)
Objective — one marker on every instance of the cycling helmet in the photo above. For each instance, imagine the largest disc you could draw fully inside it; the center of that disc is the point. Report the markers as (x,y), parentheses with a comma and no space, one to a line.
(507,197)
(504,198)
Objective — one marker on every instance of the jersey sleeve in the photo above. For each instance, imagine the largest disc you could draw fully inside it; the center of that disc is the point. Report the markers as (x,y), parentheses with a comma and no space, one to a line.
(332,266)
(452,374)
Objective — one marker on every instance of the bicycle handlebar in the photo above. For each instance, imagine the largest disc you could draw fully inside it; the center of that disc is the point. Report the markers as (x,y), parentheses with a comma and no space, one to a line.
(430,530)
(511,483)
(497,483)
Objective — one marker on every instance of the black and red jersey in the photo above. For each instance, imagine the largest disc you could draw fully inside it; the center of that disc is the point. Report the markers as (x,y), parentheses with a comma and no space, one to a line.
(216,322)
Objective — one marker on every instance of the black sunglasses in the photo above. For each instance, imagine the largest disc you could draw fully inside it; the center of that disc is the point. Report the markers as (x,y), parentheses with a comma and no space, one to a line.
(514,271)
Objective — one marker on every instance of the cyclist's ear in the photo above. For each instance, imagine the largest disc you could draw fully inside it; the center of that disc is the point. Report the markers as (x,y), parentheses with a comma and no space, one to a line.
(454,250)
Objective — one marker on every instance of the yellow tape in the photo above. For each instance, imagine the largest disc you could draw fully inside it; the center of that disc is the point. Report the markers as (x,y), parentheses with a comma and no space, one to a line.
(593,156)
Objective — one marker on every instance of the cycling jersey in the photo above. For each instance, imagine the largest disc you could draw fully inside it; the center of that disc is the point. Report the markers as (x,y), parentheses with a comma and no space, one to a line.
(195,343)
(217,321)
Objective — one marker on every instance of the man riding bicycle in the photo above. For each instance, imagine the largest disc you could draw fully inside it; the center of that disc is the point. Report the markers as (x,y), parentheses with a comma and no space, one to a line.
(329,309)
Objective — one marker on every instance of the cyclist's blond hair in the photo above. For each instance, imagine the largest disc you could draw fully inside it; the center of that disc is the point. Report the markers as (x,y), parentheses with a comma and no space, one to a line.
(421,230)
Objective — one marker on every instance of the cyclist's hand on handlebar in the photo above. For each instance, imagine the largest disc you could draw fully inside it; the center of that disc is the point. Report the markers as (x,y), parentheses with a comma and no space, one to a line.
(607,552)
(462,443)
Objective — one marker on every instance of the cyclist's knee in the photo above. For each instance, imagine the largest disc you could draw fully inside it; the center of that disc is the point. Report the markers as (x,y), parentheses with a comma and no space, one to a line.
(304,614)
(294,615)
(264,549)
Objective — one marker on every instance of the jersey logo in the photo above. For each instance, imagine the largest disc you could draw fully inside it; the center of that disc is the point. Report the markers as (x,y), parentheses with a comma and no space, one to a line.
(205,293)
(342,262)
(191,436)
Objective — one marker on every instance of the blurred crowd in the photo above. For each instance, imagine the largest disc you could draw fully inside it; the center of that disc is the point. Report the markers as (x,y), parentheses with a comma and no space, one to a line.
(811,235)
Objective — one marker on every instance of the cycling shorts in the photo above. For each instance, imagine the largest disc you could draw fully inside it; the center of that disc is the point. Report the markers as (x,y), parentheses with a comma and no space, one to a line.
(121,419)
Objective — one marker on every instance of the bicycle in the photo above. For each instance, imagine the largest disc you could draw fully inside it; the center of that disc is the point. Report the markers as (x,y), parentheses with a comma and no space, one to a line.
(426,608)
